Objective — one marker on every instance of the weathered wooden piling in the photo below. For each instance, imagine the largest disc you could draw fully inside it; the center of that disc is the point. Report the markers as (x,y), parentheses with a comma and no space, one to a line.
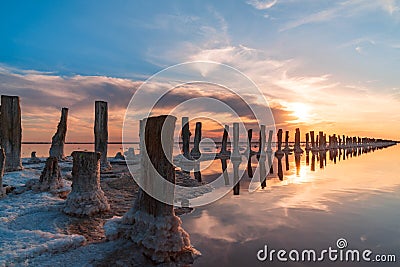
(236,152)
(34,159)
(269,143)
(86,197)
(312,140)
(58,139)
(279,137)
(263,172)
(2,167)
(101,133)
(185,134)
(249,151)
(224,152)
(308,141)
(280,169)
(11,131)
(287,148)
(297,148)
(195,153)
(261,148)
(236,180)
(151,224)
(321,141)
(50,179)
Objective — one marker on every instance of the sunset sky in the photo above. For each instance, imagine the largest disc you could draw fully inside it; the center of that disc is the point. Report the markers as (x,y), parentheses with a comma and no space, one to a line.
(322,65)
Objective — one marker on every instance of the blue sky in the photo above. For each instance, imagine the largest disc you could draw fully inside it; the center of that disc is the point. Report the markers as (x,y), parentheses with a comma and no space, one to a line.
(306,55)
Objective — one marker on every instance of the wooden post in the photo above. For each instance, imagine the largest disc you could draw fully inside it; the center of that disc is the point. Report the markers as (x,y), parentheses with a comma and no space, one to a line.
(2,167)
(307,141)
(86,197)
(195,153)
(224,165)
(297,148)
(224,152)
(101,133)
(287,148)
(279,135)
(263,172)
(185,137)
(261,149)
(236,181)
(248,151)
(50,179)
(312,140)
(236,153)
(321,141)
(280,169)
(58,139)
(11,132)
(269,144)
(150,223)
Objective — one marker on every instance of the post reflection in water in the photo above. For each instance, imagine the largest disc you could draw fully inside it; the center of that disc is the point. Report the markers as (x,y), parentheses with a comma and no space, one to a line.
(271,166)
(307,157)
(224,165)
(313,161)
(280,170)
(236,181)
(263,171)
(297,157)
(197,172)
(287,160)
(249,168)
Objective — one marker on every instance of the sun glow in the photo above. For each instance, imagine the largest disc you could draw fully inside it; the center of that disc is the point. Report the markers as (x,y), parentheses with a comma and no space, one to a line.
(301,111)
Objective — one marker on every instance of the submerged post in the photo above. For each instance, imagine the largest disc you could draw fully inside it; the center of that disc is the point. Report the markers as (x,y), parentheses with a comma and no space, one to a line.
(150,223)
(101,133)
(58,139)
(185,137)
(249,137)
(308,141)
(2,166)
(195,153)
(86,197)
(11,131)
(279,135)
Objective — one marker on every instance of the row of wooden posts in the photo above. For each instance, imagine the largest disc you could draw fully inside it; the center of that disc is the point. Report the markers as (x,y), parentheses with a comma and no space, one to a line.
(319,143)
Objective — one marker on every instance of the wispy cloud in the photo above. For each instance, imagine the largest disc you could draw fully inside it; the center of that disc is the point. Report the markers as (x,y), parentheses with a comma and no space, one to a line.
(262,5)
(346,8)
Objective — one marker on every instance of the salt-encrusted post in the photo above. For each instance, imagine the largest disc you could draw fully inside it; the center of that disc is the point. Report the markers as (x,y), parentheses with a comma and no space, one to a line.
(101,132)
(269,144)
(185,137)
(150,223)
(297,148)
(236,153)
(2,165)
(50,179)
(224,152)
(11,131)
(86,197)
(195,153)
(58,139)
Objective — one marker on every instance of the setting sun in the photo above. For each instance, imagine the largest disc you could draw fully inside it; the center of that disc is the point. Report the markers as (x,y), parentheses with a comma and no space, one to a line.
(301,111)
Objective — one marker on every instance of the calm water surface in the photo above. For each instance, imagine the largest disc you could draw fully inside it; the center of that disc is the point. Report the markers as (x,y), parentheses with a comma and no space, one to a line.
(357,199)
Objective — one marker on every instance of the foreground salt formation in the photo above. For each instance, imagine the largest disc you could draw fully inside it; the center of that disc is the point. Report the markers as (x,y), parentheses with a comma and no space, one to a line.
(58,140)
(86,197)
(151,224)
(11,132)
